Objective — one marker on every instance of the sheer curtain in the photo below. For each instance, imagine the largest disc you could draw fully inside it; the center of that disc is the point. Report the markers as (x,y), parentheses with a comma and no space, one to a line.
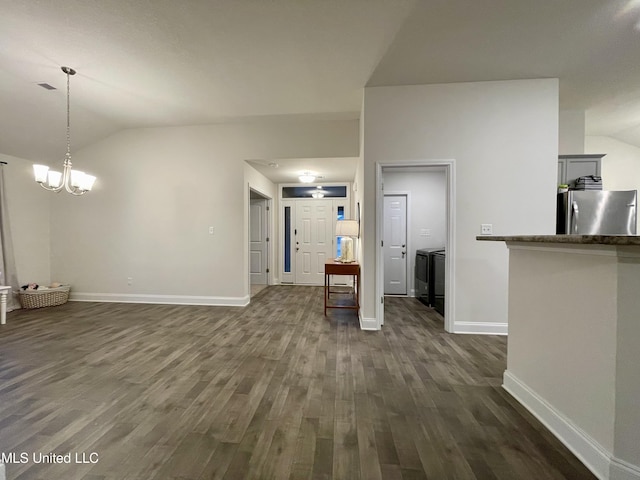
(8,274)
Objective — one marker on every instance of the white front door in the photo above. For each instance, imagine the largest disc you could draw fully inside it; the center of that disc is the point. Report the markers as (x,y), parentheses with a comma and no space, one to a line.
(258,242)
(394,245)
(313,240)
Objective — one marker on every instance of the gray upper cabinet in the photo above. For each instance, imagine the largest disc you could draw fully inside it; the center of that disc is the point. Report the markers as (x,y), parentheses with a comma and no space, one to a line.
(570,167)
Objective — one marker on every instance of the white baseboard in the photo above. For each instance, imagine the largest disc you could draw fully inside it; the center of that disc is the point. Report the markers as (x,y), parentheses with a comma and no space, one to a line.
(368,323)
(595,457)
(480,328)
(160,299)
(621,470)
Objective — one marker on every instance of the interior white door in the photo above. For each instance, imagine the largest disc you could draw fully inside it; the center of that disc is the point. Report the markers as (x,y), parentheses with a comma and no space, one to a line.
(258,263)
(394,245)
(313,240)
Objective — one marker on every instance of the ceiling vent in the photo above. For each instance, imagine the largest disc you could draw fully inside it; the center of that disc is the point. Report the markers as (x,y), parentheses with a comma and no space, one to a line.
(47,86)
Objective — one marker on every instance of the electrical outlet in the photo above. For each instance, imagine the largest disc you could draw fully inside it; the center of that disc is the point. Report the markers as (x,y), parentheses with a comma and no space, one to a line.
(425,232)
(486,229)
(211,230)
(129,280)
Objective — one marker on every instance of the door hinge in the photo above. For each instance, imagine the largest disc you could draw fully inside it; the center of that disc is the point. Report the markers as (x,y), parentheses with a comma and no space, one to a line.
(267,239)
(381,299)
(267,270)
(382,243)
(267,208)
(295,231)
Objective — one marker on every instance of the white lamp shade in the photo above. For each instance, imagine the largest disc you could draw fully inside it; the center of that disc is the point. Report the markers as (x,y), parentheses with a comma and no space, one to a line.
(40,172)
(54,178)
(347,228)
(87,182)
(76,178)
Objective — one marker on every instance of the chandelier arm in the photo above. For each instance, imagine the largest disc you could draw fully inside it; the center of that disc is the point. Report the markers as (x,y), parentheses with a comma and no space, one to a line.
(51,189)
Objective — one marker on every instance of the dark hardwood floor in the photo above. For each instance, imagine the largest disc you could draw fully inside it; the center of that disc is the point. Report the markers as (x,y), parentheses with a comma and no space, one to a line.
(271,391)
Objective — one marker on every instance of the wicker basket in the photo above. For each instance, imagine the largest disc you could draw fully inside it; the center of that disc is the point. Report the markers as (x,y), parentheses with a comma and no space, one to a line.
(44,298)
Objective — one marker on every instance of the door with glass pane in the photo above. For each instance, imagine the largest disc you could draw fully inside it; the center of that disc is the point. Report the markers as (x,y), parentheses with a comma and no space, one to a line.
(309,239)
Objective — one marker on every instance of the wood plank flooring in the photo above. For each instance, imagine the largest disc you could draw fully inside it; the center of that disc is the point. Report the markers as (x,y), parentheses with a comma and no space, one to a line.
(271,391)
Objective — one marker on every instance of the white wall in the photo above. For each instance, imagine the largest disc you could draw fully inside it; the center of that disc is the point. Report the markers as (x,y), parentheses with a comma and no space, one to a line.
(427,210)
(571,132)
(158,192)
(620,166)
(29,216)
(573,356)
(503,137)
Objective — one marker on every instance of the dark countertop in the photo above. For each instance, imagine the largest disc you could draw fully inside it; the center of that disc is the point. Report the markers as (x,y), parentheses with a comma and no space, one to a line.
(574,239)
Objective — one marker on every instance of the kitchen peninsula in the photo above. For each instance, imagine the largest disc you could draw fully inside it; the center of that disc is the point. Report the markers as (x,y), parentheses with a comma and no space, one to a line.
(574,343)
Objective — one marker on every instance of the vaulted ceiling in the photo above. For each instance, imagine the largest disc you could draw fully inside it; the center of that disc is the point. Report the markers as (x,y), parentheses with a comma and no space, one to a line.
(166,62)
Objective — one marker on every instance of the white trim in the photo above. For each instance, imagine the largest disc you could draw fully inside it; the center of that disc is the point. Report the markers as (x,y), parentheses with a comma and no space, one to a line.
(481,328)
(2,472)
(160,299)
(588,451)
(450,170)
(370,324)
(621,470)
(450,292)
(379,268)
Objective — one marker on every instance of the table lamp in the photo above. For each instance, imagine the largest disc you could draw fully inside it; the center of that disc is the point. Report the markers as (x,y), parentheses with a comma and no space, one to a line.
(346,229)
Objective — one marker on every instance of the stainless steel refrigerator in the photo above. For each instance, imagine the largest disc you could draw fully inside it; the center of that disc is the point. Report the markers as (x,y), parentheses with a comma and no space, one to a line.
(597,212)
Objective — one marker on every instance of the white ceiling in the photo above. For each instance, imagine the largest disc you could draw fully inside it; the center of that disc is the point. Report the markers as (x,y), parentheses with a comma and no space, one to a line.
(167,62)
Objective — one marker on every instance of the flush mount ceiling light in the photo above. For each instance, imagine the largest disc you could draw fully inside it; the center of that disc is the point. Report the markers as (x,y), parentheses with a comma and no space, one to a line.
(73,181)
(307,177)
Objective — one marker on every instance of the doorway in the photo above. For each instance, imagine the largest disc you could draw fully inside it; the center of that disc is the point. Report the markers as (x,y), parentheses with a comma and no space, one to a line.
(259,237)
(429,189)
(308,238)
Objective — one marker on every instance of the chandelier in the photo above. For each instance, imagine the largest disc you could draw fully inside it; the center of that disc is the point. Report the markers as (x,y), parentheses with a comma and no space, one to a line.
(73,181)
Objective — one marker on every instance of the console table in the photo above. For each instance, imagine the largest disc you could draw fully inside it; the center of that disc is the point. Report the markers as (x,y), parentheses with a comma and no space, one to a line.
(331,267)
(4,291)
